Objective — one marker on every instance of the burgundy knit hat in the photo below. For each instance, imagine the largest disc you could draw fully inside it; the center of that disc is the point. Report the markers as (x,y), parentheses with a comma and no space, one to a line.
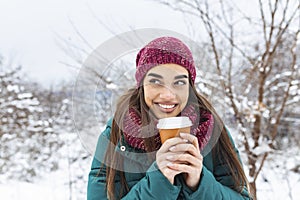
(164,50)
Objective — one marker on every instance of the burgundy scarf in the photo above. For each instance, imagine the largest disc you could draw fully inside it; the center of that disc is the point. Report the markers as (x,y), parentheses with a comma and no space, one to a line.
(203,123)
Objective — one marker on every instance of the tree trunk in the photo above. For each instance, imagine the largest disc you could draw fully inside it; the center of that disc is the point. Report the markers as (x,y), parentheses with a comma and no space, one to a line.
(253,189)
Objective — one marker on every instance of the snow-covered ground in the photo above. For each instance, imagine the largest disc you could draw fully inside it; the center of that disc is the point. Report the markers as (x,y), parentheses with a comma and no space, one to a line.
(54,186)
(276,181)
(68,182)
(273,185)
(50,188)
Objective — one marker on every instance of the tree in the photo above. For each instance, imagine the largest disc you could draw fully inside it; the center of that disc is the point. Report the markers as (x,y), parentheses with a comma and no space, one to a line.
(257,64)
(36,131)
(27,139)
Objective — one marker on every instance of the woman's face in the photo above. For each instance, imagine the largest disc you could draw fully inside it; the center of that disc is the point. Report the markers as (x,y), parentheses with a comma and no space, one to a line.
(166,89)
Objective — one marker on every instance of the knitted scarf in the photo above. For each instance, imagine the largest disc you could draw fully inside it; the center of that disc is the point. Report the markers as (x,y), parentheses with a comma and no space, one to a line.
(203,123)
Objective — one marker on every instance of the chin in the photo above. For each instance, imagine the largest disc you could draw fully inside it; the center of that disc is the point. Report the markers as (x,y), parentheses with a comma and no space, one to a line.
(161,115)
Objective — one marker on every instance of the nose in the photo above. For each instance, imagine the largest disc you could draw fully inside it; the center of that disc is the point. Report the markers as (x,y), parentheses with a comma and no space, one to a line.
(166,93)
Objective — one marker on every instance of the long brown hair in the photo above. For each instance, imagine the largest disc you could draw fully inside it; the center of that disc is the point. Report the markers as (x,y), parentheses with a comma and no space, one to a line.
(134,98)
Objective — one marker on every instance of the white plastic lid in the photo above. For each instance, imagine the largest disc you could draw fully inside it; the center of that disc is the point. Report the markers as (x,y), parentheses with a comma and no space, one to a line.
(174,122)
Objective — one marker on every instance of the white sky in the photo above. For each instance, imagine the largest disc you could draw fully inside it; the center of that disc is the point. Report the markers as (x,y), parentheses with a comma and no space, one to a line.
(28,28)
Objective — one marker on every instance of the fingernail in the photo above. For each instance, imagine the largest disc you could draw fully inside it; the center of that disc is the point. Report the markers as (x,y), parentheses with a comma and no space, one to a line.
(170,157)
(183,134)
(170,164)
(172,148)
(185,140)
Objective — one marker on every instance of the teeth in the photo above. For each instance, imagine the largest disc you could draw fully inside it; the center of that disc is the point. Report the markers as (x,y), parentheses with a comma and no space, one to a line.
(166,106)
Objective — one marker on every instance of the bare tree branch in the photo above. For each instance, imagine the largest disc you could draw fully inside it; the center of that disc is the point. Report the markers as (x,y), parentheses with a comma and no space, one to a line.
(263,19)
(286,94)
(261,165)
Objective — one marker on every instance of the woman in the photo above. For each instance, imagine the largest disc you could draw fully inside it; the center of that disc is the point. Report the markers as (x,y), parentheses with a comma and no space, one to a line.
(131,162)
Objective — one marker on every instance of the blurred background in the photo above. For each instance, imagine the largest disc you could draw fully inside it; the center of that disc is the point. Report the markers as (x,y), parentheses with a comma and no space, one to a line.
(247,57)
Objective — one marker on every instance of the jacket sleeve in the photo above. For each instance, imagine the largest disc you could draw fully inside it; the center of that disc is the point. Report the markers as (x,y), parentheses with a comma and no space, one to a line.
(216,185)
(96,188)
(148,187)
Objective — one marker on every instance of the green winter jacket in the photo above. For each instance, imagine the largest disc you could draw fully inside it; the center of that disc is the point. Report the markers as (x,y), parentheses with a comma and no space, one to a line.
(145,180)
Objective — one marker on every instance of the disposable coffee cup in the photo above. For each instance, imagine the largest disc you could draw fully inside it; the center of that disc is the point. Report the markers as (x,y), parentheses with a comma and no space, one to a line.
(172,126)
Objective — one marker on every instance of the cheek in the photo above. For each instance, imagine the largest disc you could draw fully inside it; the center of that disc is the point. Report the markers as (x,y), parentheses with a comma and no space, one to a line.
(184,96)
(149,95)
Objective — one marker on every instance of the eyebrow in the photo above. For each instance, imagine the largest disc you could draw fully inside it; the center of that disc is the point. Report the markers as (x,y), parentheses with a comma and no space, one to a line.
(181,76)
(159,76)
(155,75)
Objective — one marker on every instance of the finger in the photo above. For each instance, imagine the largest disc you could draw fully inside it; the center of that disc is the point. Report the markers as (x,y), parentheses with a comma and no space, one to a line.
(165,158)
(171,142)
(185,158)
(189,169)
(185,147)
(162,159)
(191,138)
(168,171)
(182,168)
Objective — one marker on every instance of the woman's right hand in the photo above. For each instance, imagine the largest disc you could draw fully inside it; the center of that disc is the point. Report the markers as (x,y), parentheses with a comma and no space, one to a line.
(163,155)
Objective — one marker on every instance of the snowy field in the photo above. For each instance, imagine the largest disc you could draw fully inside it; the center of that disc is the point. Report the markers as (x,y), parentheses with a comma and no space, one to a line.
(276,181)
(55,186)
(49,188)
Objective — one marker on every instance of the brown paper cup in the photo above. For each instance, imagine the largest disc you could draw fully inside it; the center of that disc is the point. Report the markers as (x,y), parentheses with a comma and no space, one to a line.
(173,126)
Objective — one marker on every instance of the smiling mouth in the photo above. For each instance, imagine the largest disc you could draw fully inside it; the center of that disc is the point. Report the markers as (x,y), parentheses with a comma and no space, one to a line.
(166,108)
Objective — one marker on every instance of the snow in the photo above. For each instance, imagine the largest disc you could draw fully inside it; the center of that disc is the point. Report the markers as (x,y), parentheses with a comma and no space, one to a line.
(274,184)
(260,150)
(276,181)
(266,114)
(14,88)
(50,188)
(261,69)
(271,184)
(24,95)
(10,110)
(295,82)
(273,120)
(48,130)
(112,86)
(54,185)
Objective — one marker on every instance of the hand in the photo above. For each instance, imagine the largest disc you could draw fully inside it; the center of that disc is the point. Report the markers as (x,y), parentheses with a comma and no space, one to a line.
(186,158)
(163,155)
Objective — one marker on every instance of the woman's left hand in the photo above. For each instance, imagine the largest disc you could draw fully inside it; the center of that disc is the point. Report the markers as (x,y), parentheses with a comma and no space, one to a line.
(188,160)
